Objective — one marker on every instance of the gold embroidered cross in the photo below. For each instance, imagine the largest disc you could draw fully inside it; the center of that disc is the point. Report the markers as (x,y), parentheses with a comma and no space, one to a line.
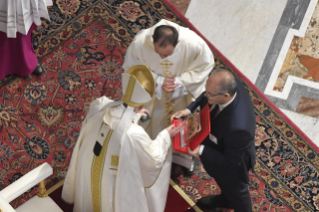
(166,64)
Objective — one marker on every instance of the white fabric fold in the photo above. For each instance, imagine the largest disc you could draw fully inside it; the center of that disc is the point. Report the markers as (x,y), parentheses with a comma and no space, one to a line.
(18,15)
(159,82)
(141,160)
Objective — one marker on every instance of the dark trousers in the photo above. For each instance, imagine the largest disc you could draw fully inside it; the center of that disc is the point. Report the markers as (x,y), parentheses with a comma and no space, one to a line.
(235,195)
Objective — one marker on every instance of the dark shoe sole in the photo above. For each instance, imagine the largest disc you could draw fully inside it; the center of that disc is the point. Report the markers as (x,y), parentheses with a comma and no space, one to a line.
(38,70)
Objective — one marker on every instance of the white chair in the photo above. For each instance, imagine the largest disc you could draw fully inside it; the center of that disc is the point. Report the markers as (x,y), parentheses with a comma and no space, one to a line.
(39,203)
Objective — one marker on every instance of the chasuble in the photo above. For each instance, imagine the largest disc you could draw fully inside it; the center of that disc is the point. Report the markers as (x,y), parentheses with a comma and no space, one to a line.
(191,63)
(118,178)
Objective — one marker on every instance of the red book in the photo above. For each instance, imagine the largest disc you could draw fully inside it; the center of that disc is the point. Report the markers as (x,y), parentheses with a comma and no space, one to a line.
(190,137)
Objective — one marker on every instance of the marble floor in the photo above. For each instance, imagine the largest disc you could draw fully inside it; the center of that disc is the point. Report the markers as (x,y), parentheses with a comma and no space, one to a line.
(181,5)
(274,43)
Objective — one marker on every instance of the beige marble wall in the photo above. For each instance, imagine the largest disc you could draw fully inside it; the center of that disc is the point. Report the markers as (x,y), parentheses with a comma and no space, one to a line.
(181,5)
(302,59)
(242,30)
(308,106)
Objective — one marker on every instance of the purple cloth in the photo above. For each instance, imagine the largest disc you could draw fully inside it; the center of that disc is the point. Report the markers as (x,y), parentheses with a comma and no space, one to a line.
(17,55)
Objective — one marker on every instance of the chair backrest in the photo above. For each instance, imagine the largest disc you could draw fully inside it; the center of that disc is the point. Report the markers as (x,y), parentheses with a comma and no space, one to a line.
(23,184)
(5,206)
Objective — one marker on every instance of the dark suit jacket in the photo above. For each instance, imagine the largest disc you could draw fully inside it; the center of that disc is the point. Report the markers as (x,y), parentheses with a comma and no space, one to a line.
(234,127)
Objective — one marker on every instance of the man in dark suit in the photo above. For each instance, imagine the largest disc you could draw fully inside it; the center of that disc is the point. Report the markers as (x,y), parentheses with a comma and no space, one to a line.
(228,153)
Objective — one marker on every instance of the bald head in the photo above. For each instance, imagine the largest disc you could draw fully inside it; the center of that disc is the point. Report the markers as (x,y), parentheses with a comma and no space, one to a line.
(165,35)
(220,87)
(224,81)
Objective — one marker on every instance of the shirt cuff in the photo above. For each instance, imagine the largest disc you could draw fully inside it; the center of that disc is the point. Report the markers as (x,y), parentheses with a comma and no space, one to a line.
(201,149)
(165,134)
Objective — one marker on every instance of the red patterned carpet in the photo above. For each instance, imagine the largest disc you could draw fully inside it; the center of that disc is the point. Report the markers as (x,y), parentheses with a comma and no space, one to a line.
(81,51)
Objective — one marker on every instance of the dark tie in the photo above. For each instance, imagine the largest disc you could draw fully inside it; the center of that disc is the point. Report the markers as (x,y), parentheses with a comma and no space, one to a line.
(215,111)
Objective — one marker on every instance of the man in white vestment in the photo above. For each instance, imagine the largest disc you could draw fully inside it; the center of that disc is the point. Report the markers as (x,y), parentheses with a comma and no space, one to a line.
(114,161)
(180,62)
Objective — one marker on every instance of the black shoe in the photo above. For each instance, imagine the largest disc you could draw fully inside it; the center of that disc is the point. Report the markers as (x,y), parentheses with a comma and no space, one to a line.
(35,42)
(187,172)
(38,70)
(206,202)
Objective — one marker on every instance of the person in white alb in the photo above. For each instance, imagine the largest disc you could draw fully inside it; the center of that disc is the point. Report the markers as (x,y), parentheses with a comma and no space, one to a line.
(180,62)
(18,18)
(114,161)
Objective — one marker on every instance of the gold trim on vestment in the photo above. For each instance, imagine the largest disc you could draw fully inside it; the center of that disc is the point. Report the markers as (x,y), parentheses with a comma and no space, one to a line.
(114,191)
(129,92)
(159,171)
(166,64)
(169,103)
(97,172)
(169,108)
(143,75)
(184,195)
(114,162)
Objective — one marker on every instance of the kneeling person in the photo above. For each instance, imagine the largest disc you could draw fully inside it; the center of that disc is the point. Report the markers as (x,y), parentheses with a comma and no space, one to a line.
(114,161)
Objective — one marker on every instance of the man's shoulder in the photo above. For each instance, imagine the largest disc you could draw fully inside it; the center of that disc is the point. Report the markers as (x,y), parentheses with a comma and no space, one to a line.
(100,102)
(243,94)
(136,128)
(189,37)
(97,105)
(141,36)
(141,40)
(242,116)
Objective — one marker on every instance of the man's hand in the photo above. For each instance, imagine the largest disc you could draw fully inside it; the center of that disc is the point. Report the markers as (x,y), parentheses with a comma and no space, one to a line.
(180,114)
(195,152)
(142,112)
(169,85)
(172,130)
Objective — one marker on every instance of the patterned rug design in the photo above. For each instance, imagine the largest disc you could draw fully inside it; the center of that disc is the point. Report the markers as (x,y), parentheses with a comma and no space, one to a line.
(81,51)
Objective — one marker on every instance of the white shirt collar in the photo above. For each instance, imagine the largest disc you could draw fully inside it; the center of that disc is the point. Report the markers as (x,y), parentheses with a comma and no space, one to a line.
(222,106)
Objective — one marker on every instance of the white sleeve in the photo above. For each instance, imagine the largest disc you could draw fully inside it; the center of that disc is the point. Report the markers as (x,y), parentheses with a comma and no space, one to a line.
(198,70)
(151,154)
(179,90)
(49,2)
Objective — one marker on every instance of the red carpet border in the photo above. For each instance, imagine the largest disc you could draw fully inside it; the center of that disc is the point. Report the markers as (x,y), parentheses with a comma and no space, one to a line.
(81,51)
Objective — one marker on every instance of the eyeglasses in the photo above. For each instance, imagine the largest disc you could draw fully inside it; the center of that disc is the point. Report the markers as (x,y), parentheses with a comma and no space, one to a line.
(211,96)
